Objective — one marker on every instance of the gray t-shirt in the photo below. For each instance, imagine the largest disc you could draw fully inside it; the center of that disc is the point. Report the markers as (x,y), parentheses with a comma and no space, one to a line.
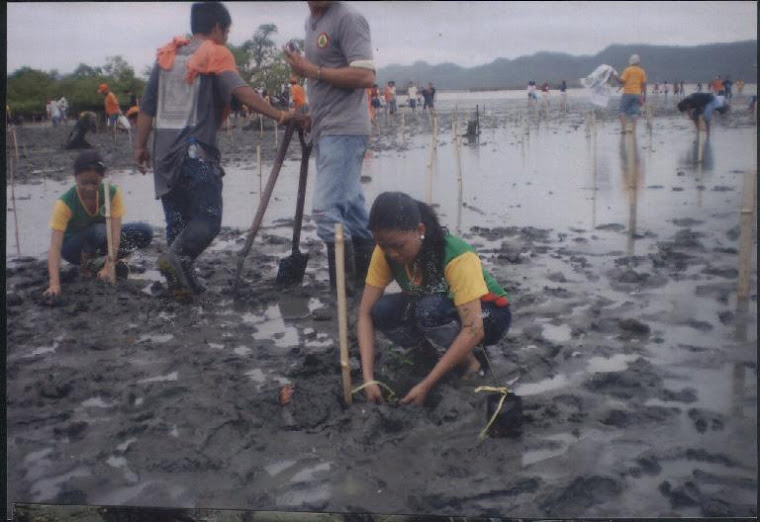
(337,38)
(181,111)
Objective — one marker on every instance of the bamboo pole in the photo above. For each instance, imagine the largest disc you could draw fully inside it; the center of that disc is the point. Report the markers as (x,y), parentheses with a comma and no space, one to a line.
(15,141)
(429,196)
(13,202)
(261,175)
(276,135)
(261,126)
(109,232)
(459,174)
(403,126)
(745,233)
(340,276)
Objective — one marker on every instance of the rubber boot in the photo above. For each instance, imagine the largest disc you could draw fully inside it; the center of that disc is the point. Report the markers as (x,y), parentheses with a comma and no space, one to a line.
(349,266)
(363,249)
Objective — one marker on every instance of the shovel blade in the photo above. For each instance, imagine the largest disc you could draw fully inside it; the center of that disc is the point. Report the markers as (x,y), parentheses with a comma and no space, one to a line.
(292,269)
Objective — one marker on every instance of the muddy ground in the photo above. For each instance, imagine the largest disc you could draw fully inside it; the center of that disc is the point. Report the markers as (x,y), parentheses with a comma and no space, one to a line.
(122,396)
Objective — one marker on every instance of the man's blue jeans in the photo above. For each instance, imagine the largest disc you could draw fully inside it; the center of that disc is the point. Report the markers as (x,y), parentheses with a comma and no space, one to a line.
(338,195)
(93,241)
(406,320)
(193,207)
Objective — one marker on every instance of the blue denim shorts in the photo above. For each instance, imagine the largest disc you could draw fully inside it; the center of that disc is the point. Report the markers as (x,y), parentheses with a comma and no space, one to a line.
(629,105)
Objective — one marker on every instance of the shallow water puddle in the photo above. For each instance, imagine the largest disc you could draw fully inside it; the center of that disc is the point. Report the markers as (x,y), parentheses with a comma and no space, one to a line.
(546,385)
(45,349)
(241,350)
(155,338)
(556,333)
(564,439)
(96,402)
(271,326)
(173,376)
(616,363)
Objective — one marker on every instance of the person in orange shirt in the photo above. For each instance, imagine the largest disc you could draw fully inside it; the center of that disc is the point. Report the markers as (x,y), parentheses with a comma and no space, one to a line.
(113,111)
(390,96)
(717,85)
(297,96)
(634,82)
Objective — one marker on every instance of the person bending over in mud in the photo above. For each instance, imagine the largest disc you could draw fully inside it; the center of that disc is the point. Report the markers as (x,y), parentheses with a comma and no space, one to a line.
(699,106)
(87,121)
(447,297)
(79,229)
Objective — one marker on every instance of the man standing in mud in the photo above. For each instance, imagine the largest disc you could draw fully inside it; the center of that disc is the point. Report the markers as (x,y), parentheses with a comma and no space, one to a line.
(339,64)
(183,94)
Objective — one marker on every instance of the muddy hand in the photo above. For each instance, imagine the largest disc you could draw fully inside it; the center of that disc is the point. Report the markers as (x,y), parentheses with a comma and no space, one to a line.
(416,395)
(374,394)
(52,291)
(105,273)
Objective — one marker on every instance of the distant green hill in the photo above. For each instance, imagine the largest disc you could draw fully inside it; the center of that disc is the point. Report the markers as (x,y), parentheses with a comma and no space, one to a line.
(662,63)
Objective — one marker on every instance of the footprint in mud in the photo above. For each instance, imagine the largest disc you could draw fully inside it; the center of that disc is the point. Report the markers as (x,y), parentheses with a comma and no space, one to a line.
(581,494)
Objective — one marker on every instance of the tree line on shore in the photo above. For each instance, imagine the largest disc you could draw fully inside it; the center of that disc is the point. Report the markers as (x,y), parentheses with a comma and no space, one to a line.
(259,61)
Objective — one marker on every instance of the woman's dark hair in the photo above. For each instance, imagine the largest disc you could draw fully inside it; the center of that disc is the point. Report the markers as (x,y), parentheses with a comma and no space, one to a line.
(205,15)
(399,211)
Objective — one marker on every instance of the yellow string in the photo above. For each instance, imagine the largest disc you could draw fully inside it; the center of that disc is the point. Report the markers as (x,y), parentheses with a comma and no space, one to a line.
(504,392)
(391,394)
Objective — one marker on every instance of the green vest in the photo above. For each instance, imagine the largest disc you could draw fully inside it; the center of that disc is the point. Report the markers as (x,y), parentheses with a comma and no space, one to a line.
(453,249)
(80,218)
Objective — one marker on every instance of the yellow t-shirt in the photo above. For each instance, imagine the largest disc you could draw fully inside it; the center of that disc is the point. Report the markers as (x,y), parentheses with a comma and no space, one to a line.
(634,79)
(62,212)
(463,274)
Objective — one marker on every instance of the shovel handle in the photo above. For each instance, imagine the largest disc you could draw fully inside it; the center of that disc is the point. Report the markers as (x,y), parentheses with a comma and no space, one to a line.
(265,199)
(302,178)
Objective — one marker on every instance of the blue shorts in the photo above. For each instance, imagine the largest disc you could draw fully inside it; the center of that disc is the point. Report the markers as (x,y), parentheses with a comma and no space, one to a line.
(629,105)
(112,119)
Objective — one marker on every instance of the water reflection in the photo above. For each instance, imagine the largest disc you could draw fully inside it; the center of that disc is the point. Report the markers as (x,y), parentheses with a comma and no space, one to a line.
(633,180)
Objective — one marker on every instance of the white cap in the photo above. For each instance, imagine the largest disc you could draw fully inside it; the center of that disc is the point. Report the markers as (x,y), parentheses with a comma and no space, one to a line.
(634,59)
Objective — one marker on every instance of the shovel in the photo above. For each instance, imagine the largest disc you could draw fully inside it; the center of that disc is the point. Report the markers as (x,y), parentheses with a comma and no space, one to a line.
(293,267)
(264,200)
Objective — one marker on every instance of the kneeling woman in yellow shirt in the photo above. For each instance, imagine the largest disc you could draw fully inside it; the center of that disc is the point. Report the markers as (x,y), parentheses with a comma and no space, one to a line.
(78,223)
(447,298)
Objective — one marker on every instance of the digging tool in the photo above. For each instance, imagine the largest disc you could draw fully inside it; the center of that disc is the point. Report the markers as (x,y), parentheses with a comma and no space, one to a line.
(293,267)
(109,232)
(265,200)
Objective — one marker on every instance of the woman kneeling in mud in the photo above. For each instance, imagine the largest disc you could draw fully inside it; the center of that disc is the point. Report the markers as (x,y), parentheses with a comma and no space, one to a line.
(447,297)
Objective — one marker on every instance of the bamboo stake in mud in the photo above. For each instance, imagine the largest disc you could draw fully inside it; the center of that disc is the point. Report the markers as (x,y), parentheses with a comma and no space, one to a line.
(109,232)
(340,276)
(429,196)
(746,233)
(276,134)
(261,126)
(13,202)
(403,126)
(15,141)
(261,175)
(459,174)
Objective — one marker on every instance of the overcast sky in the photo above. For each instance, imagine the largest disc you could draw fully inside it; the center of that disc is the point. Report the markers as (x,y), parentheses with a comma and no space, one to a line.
(61,35)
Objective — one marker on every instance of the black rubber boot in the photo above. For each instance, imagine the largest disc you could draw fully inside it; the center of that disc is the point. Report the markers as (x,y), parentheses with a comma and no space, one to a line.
(363,249)
(349,265)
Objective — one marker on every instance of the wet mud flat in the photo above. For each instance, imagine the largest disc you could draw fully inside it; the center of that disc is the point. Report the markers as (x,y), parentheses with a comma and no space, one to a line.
(638,372)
